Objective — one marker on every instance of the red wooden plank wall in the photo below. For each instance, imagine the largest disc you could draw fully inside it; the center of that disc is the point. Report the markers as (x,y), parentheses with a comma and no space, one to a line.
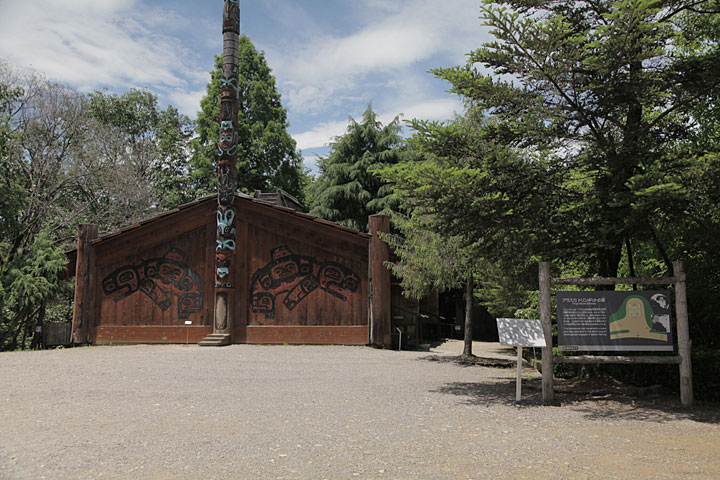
(305,283)
(165,285)
(298,281)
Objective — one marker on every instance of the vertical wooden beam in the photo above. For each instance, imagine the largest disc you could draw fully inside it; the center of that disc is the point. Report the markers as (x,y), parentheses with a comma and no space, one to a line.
(683,334)
(242,300)
(84,285)
(546,320)
(379,278)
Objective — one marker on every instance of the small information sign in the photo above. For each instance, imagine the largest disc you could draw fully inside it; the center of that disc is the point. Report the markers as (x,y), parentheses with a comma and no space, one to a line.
(520,332)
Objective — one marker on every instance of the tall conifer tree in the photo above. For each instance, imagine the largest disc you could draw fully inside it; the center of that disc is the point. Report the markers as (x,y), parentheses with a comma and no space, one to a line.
(347,191)
(267,154)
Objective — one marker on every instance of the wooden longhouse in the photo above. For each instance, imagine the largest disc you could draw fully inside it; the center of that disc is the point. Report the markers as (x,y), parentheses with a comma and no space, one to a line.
(299,279)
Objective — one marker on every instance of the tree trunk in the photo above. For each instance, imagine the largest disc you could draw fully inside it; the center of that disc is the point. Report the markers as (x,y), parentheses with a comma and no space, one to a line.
(26,327)
(631,263)
(467,350)
(609,261)
(11,328)
(661,249)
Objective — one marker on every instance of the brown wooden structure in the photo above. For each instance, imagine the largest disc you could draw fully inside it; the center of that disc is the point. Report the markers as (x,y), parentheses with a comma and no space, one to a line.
(299,279)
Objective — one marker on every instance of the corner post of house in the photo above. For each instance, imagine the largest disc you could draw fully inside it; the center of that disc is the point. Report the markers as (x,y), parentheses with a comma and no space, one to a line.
(379,279)
(84,300)
(546,321)
(683,334)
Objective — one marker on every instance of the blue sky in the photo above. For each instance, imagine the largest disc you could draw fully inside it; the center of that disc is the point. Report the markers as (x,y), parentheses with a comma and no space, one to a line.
(329,58)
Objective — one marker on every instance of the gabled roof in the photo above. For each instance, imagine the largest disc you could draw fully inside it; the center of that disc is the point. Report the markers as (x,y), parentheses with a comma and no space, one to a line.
(238,196)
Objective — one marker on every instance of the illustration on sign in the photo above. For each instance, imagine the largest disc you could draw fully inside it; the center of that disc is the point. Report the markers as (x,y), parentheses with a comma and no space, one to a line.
(161,279)
(298,276)
(638,320)
(635,320)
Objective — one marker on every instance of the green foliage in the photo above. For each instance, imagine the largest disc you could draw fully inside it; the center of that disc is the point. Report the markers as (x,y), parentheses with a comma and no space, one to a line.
(33,278)
(9,96)
(427,260)
(348,190)
(267,155)
(472,204)
(68,158)
(477,188)
(604,88)
(591,140)
(152,142)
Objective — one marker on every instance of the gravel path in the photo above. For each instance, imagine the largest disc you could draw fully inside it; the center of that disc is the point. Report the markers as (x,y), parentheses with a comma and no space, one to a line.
(306,412)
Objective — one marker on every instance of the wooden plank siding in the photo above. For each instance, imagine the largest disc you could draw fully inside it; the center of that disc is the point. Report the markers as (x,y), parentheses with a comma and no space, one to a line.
(324,315)
(151,334)
(135,303)
(186,256)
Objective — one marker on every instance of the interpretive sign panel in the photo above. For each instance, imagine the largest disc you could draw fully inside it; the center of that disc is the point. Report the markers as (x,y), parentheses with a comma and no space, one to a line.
(614,321)
(520,332)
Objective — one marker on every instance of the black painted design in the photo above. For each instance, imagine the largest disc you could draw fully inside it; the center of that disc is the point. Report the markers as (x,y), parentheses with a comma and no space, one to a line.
(297,276)
(161,279)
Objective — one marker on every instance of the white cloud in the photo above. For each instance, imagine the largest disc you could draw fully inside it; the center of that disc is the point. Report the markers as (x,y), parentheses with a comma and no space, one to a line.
(439,109)
(329,61)
(411,35)
(187,102)
(320,135)
(92,44)
(311,163)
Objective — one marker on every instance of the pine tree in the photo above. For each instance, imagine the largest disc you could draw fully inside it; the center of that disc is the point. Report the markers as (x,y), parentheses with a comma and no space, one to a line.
(609,89)
(348,190)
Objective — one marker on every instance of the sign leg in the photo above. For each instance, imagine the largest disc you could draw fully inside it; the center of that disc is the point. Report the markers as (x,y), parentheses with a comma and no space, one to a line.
(518,384)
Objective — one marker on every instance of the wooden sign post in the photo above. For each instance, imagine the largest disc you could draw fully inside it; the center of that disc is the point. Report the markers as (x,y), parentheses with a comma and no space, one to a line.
(683,358)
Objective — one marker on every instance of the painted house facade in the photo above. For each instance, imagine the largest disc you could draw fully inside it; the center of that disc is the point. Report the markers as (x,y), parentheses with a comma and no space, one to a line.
(299,279)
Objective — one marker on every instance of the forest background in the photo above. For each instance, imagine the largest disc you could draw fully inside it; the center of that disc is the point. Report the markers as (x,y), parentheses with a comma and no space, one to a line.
(593,143)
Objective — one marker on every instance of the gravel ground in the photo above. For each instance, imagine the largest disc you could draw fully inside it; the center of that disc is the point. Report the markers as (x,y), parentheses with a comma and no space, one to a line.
(307,412)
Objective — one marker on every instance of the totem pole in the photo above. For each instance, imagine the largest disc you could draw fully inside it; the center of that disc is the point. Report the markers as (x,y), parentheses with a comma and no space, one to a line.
(227,172)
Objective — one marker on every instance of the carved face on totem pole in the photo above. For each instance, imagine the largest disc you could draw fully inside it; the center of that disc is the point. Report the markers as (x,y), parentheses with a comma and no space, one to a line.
(223,270)
(231,16)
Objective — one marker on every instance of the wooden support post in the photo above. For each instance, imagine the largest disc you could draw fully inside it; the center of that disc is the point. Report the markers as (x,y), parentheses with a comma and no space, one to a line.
(683,334)
(546,320)
(518,381)
(83,314)
(379,277)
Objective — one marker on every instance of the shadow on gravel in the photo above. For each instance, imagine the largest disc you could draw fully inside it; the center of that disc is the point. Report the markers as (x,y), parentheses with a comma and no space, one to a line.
(472,361)
(594,404)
